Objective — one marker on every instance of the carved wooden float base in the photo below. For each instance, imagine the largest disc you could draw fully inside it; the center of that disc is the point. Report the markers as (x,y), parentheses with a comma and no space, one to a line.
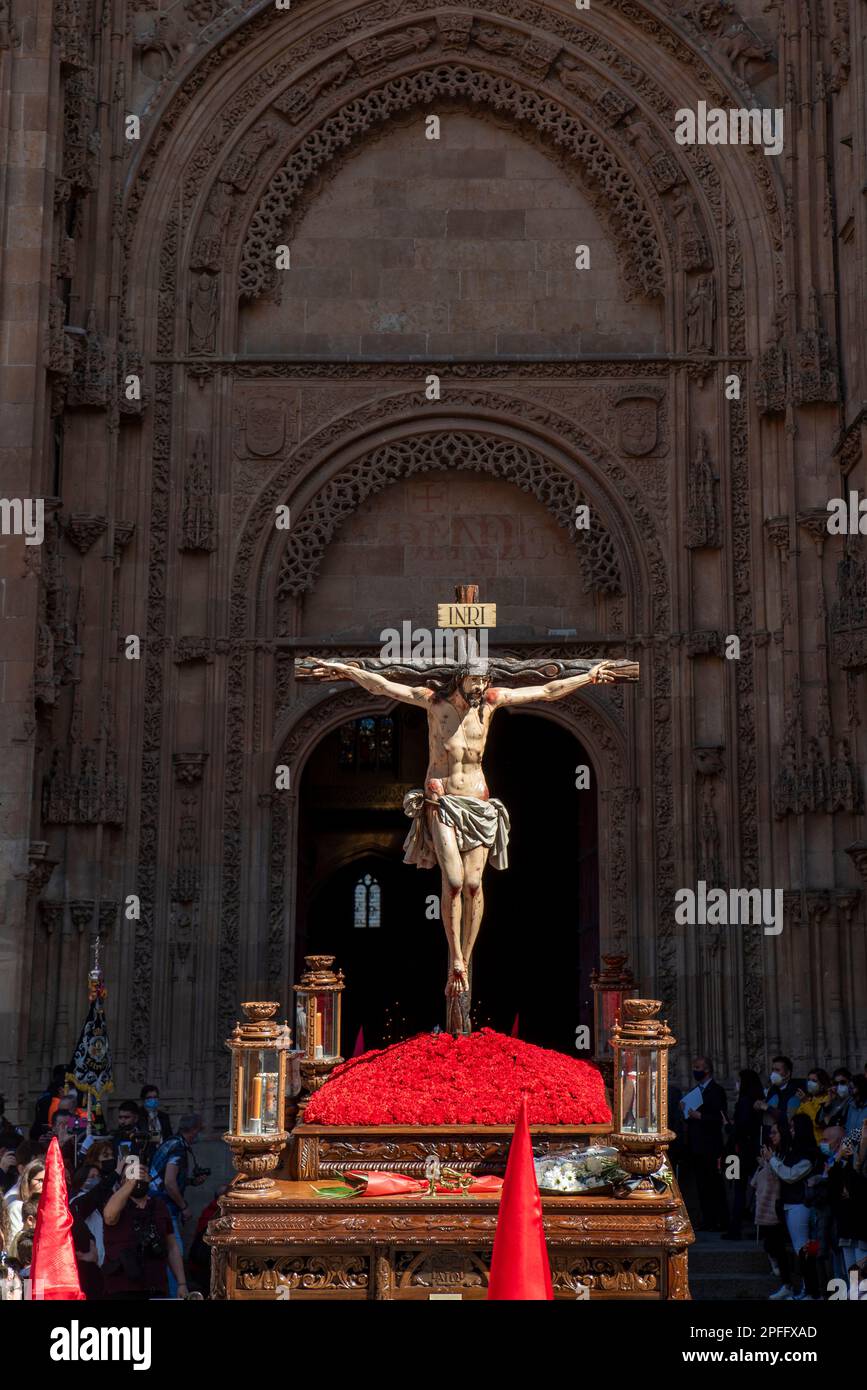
(318,1151)
(292,1244)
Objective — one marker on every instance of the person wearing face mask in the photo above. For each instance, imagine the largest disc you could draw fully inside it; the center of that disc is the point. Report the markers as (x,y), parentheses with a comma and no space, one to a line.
(767,1187)
(157,1122)
(829,1148)
(834,1110)
(847,1184)
(813,1097)
(705,1143)
(140,1245)
(781,1098)
(857,1111)
(92,1184)
(172,1167)
(800,1160)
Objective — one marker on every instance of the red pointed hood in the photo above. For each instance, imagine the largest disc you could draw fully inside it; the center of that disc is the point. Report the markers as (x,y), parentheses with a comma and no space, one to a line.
(53,1271)
(520,1268)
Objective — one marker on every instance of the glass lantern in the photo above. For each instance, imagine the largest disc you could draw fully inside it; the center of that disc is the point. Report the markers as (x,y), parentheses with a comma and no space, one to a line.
(640,1043)
(610,985)
(317,1020)
(257,1096)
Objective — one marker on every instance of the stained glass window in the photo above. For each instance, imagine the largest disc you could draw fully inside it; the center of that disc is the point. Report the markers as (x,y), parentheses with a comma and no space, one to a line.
(368,902)
(346,754)
(385,731)
(367,743)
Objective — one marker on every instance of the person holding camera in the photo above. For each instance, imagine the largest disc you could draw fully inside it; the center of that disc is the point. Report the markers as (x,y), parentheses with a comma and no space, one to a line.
(847,1182)
(141,1249)
(90,1188)
(172,1167)
(128,1131)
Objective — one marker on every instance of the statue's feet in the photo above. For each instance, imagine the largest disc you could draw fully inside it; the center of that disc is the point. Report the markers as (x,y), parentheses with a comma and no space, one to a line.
(458,1014)
(458,981)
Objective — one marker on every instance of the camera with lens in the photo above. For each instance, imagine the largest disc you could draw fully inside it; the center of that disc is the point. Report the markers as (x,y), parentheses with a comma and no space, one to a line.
(149,1243)
(200,1172)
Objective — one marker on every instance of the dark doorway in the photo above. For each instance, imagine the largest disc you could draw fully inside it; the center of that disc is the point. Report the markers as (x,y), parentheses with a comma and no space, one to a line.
(540,934)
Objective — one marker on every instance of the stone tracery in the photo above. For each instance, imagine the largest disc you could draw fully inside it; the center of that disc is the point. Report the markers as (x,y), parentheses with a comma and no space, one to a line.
(630,222)
(344,493)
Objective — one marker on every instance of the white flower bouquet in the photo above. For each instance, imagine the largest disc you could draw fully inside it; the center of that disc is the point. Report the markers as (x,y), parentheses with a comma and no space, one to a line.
(589,1171)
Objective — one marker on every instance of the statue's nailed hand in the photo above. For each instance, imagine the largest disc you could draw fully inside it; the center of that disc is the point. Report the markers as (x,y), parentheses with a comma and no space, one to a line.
(603,673)
(323,670)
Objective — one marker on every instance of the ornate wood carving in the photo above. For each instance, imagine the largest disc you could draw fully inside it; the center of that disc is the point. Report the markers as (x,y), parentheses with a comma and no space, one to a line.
(394,1248)
(623,1275)
(314,1272)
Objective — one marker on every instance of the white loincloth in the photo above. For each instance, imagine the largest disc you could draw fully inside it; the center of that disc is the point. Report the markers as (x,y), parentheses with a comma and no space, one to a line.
(474,822)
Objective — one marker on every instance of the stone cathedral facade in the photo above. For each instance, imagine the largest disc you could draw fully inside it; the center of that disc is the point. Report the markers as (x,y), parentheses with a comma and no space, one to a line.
(248,211)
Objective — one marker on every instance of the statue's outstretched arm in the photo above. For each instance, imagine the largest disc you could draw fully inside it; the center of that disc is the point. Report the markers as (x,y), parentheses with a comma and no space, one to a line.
(372,681)
(603,673)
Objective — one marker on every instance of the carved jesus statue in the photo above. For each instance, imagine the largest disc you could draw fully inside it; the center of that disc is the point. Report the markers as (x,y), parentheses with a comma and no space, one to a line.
(456,823)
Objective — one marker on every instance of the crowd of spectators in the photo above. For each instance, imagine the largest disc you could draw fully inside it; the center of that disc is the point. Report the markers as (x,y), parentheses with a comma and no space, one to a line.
(788,1159)
(125,1188)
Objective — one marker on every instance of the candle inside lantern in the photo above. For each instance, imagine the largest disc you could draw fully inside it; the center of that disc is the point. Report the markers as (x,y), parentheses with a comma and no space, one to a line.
(317,1037)
(256,1105)
(642,1107)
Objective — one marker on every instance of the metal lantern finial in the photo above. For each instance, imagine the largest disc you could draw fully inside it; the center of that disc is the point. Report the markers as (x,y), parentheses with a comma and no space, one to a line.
(610,985)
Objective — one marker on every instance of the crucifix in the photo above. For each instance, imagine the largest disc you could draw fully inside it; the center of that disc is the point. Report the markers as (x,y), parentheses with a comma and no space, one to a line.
(456,824)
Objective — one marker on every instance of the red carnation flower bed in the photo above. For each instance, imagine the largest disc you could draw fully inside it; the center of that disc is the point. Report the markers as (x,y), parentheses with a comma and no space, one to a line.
(435,1079)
